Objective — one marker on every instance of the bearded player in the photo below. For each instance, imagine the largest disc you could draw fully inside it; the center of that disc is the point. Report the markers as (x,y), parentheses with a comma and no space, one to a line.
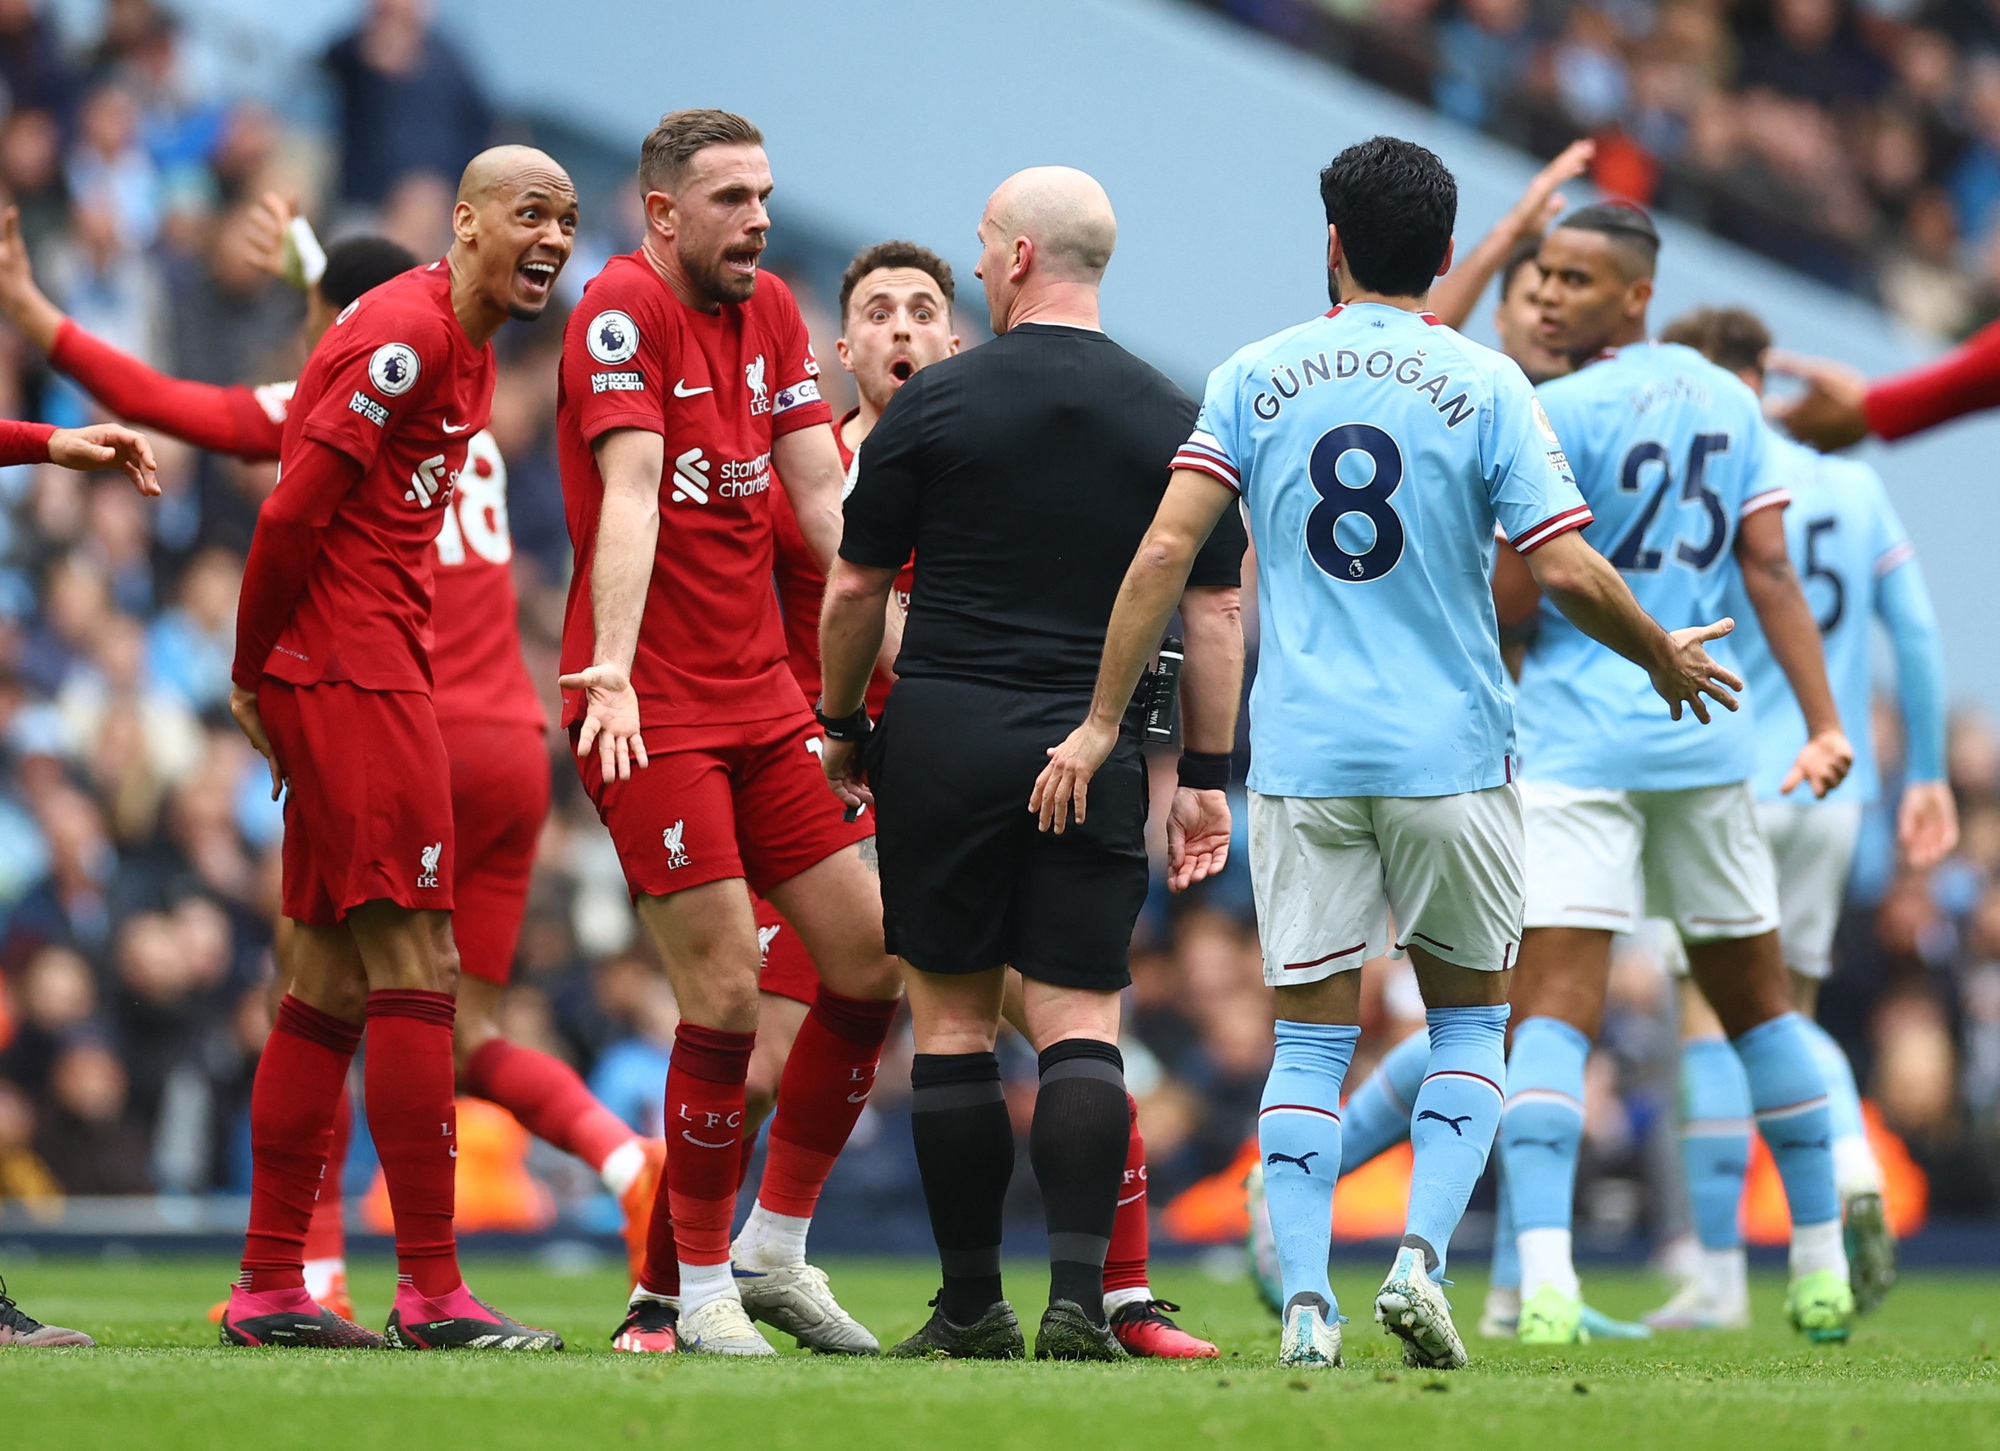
(687,382)
(333,686)
(486,705)
(895,312)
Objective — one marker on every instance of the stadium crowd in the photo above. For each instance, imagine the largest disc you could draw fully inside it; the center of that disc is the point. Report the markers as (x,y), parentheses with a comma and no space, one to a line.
(1857,141)
(138,847)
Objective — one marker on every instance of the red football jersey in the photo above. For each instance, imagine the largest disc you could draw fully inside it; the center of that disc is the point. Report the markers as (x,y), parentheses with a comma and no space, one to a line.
(719,388)
(802,587)
(476,651)
(397,386)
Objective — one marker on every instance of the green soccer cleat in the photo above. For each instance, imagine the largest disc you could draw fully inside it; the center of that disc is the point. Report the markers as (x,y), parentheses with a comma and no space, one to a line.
(1066,1333)
(1549,1317)
(996,1335)
(1871,1249)
(1822,1305)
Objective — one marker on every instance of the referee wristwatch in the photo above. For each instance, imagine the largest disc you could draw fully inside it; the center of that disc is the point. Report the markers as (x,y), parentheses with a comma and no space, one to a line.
(844,728)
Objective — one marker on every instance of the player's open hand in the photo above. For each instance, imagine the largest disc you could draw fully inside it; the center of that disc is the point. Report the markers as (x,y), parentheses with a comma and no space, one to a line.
(1688,673)
(1065,781)
(610,720)
(1197,837)
(104,446)
(841,760)
(1926,823)
(1542,202)
(1830,413)
(1822,763)
(243,705)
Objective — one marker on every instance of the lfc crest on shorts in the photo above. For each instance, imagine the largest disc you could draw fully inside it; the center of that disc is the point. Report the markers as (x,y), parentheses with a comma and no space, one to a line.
(427,865)
(677,856)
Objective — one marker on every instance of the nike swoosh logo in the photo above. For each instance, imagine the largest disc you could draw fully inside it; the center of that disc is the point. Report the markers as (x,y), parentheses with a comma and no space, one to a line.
(1132,1198)
(456,427)
(861,1097)
(704,1144)
(681,390)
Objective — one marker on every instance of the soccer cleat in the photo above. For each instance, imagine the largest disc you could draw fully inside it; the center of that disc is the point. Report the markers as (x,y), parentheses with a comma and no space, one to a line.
(18,1327)
(1066,1333)
(1311,1336)
(721,1328)
(1694,1307)
(1822,1305)
(637,1204)
(1411,1306)
(651,1327)
(797,1300)
(336,1300)
(1501,1313)
(996,1335)
(1871,1249)
(1596,1325)
(1549,1317)
(1261,1245)
(459,1321)
(290,1320)
(1143,1328)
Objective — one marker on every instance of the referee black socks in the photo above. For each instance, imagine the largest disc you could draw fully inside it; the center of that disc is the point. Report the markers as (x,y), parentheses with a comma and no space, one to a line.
(965,1154)
(1082,1123)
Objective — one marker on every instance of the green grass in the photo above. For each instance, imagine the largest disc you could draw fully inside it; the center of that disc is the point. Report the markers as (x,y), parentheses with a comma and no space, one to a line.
(1918,1373)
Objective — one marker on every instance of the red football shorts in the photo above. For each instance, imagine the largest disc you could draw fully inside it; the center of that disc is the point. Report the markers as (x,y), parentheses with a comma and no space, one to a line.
(786,968)
(368,804)
(499,798)
(716,802)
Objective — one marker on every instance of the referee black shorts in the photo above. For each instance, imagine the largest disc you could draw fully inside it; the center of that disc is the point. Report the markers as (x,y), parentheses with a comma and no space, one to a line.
(969,882)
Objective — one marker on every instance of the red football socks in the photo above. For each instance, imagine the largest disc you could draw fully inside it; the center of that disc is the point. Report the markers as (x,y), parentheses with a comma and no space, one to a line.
(1125,1262)
(704,1141)
(292,1105)
(326,1236)
(415,1125)
(548,1097)
(826,1085)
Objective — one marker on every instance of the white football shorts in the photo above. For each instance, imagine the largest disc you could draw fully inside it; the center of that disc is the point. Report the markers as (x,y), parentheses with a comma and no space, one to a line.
(1812,845)
(1605,859)
(1329,871)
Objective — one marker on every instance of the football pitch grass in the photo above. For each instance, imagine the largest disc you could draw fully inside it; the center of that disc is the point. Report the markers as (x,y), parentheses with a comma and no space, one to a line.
(1921,1372)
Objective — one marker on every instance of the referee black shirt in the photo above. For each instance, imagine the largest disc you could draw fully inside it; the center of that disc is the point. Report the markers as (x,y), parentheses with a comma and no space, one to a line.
(1023,474)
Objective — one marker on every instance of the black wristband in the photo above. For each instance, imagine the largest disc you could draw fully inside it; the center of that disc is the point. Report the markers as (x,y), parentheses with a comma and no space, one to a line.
(843,728)
(1206,770)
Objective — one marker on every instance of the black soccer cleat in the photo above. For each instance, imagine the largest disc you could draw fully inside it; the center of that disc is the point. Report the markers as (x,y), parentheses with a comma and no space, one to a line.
(996,1335)
(494,1331)
(305,1326)
(1066,1333)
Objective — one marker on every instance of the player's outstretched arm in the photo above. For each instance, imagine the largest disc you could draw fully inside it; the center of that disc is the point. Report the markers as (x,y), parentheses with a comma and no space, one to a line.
(1198,824)
(1596,599)
(853,622)
(1927,815)
(1772,585)
(1457,293)
(107,446)
(630,460)
(1153,585)
(1831,410)
(808,465)
(1840,406)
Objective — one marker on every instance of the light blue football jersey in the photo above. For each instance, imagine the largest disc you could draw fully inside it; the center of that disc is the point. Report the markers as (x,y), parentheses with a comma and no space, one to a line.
(1670,452)
(1844,538)
(1375,450)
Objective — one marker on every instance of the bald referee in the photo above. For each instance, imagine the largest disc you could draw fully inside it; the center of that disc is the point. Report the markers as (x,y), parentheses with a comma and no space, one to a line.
(1023,474)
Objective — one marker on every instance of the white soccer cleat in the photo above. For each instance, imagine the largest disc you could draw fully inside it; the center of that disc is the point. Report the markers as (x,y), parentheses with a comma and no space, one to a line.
(721,1328)
(1411,1307)
(797,1300)
(1311,1336)
(1697,1307)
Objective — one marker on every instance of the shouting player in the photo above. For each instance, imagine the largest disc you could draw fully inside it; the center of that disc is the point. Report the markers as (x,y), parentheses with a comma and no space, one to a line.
(486,706)
(333,685)
(1857,566)
(688,389)
(1629,814)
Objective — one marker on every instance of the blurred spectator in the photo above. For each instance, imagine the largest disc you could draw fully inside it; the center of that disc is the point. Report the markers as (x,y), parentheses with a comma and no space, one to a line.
(408,103)
(23,1175)
(86,1137)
